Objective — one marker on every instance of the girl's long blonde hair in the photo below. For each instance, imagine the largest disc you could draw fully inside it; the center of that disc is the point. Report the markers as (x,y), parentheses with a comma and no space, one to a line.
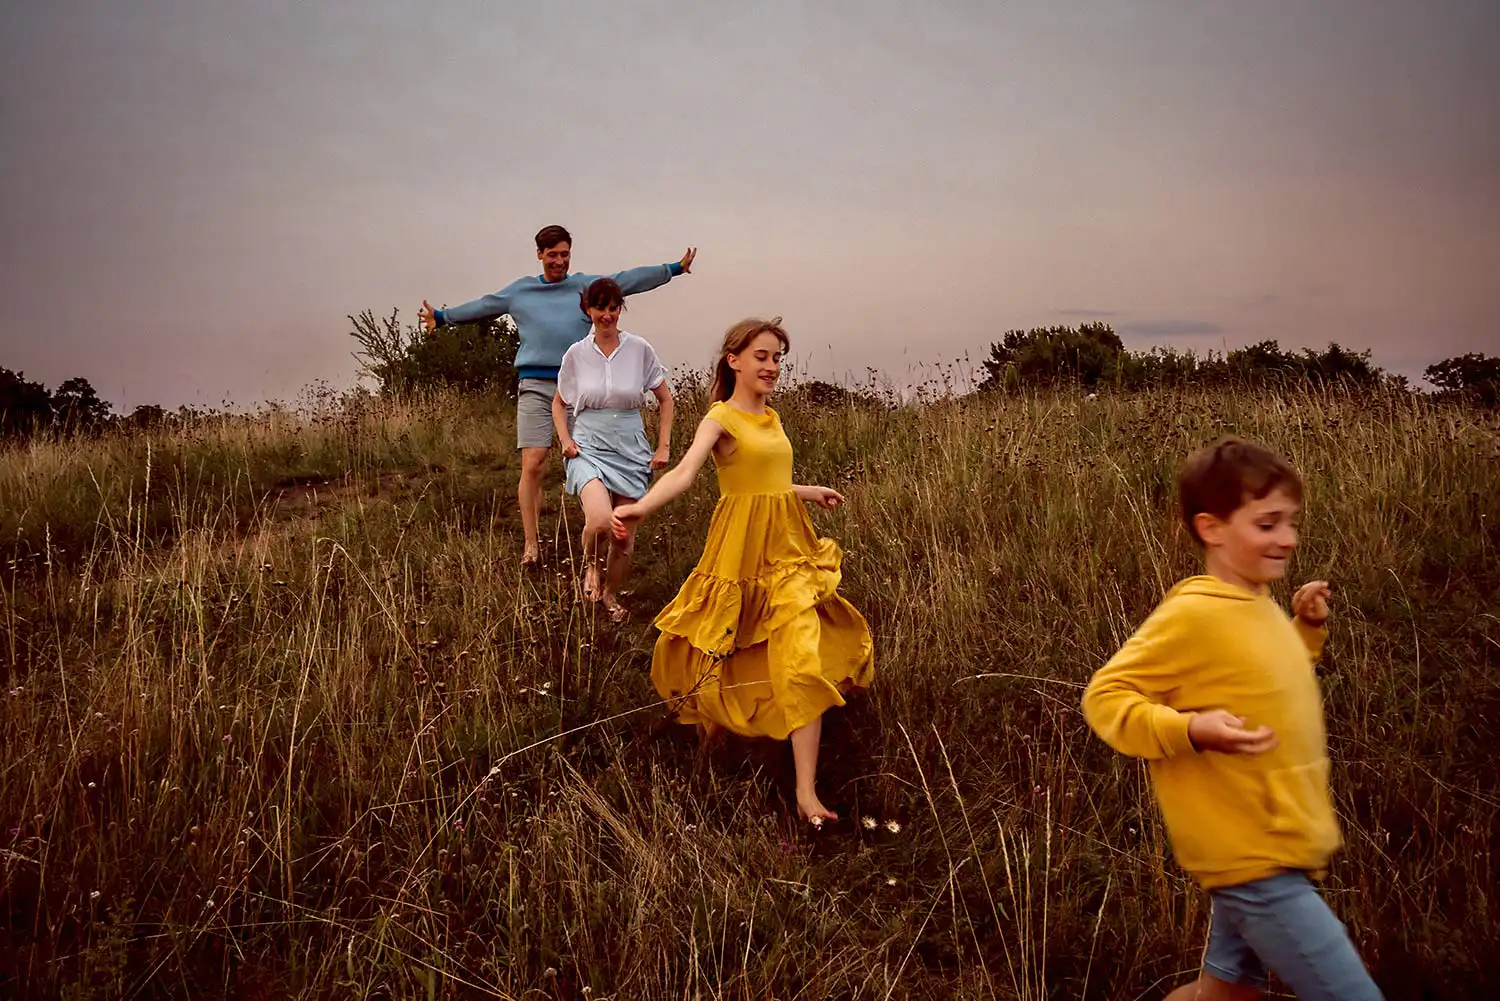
(736,340)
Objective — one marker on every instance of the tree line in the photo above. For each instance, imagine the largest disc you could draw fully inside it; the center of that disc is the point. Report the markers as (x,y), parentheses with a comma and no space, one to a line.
(1091,356)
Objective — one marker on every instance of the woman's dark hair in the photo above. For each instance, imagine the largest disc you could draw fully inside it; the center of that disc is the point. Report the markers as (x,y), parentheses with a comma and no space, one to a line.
(602,293)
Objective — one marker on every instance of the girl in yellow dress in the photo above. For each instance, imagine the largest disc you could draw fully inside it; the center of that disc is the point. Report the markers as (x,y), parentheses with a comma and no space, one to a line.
(757,641)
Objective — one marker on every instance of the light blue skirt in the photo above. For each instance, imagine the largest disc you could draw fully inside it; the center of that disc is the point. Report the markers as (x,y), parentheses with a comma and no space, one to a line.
(612,448)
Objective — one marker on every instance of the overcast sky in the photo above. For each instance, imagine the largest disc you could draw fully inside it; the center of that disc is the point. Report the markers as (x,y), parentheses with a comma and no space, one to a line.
(197,192)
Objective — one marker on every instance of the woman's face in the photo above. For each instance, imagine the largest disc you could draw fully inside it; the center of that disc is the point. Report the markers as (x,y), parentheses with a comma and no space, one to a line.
(759,365)
(605,317)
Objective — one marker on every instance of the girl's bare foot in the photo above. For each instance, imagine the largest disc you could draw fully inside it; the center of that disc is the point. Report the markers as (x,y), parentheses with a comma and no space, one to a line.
(812,810)
(530,558)
(591,582)
(617,612)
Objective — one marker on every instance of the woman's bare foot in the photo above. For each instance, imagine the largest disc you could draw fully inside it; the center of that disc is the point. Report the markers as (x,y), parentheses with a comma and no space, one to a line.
(812,810)
(591,582)
(530,558)
(617,612)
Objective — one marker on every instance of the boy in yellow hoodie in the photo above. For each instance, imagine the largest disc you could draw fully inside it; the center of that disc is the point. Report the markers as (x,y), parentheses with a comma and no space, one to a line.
(1216,690)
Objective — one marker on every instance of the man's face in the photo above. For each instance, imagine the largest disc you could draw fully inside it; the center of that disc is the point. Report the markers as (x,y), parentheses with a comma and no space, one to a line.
(555,260)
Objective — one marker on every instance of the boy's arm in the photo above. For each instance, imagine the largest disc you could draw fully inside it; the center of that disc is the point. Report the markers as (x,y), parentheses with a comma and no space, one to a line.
(1310,616)
(486,307)
(1125,701)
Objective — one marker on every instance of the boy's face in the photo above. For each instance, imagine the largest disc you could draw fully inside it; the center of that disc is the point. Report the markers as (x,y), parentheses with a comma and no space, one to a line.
(1251,547)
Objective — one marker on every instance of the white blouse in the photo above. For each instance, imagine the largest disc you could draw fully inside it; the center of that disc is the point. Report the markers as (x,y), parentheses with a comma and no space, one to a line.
(591,380)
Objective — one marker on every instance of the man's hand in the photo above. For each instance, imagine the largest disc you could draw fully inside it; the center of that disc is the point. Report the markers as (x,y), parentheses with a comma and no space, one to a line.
(1310,603)
(687,260)
(425,314)
(1222,731)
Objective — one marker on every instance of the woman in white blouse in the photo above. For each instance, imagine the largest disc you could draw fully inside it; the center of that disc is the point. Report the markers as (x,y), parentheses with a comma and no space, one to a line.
(601,386)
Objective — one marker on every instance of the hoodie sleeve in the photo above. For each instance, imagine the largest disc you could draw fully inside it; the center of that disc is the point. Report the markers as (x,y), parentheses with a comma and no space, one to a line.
(1313,637)
(1126,700)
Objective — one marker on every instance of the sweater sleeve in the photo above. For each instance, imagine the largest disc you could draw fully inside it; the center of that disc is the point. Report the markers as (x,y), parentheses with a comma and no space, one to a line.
(644,279)
(486,307)
(1126,700)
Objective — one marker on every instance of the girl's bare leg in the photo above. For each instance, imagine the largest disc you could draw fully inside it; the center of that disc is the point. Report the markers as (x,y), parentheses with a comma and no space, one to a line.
(805,741)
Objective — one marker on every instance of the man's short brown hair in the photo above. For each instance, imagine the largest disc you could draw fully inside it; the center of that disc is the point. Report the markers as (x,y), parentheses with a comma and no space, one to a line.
(1220,477)
(551,236)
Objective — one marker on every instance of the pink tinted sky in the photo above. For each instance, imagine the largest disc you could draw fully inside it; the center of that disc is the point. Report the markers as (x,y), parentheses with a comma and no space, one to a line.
(197,194)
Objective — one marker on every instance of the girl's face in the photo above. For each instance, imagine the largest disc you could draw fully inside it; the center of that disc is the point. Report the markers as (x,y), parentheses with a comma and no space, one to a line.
(605,317)
(759,365)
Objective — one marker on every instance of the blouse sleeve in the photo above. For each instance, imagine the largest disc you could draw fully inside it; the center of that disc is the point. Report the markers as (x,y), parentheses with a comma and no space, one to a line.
(653,373)
(567,379)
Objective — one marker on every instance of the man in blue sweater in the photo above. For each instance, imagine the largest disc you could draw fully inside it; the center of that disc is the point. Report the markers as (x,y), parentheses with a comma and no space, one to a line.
(549,321)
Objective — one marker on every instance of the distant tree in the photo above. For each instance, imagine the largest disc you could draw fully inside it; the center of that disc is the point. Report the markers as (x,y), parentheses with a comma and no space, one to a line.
(147,416)
(1472,376)
(76,407)
(25,406)
(1085,355)
(469,356)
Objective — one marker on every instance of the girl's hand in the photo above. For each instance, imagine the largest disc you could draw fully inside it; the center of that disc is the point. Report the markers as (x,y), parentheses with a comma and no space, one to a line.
(570,449)
(1310,603)
(623,518)
(425,314)
(662,458)
(826,497)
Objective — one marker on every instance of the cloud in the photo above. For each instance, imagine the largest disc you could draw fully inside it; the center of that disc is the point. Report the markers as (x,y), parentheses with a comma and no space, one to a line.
(1171,328)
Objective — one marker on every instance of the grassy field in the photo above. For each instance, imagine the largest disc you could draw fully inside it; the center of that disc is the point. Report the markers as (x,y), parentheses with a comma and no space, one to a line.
(282,717)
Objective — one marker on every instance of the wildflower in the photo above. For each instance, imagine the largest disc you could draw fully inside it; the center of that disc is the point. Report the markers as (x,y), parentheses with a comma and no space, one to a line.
(891,881)
(94,895)
(93,785)
(869,823)
(817,822)
(894,826)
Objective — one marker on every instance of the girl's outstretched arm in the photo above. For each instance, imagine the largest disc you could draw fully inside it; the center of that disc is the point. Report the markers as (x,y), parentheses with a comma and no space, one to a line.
(821,496)
(675,482)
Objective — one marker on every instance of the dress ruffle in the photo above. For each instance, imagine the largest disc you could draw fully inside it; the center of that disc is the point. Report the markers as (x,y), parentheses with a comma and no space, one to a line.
(758,640)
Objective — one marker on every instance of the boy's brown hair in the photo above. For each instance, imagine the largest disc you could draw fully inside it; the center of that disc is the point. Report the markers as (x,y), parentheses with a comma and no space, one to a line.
(1220,477)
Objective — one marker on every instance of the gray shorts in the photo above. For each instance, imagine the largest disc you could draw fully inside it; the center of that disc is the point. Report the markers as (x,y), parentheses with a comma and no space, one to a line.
(534,413)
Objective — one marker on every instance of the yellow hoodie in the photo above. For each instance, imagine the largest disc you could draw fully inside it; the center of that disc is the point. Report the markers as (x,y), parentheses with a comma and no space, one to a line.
(1231,818)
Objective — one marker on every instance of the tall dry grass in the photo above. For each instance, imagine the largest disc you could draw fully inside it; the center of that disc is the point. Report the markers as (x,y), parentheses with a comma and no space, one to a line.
(282,717)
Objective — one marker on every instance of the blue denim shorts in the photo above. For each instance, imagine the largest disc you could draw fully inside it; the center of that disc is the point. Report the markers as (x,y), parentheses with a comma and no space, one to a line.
(1282,924)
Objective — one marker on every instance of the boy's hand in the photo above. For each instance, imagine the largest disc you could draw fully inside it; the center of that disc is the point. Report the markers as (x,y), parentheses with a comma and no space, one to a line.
(1222,731)
(1310,603)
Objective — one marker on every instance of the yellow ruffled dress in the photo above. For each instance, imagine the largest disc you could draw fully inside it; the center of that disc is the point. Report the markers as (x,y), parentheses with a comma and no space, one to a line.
(758,640)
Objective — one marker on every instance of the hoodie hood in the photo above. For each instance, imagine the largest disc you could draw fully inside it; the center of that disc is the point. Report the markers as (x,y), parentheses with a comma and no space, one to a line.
(1211,587)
